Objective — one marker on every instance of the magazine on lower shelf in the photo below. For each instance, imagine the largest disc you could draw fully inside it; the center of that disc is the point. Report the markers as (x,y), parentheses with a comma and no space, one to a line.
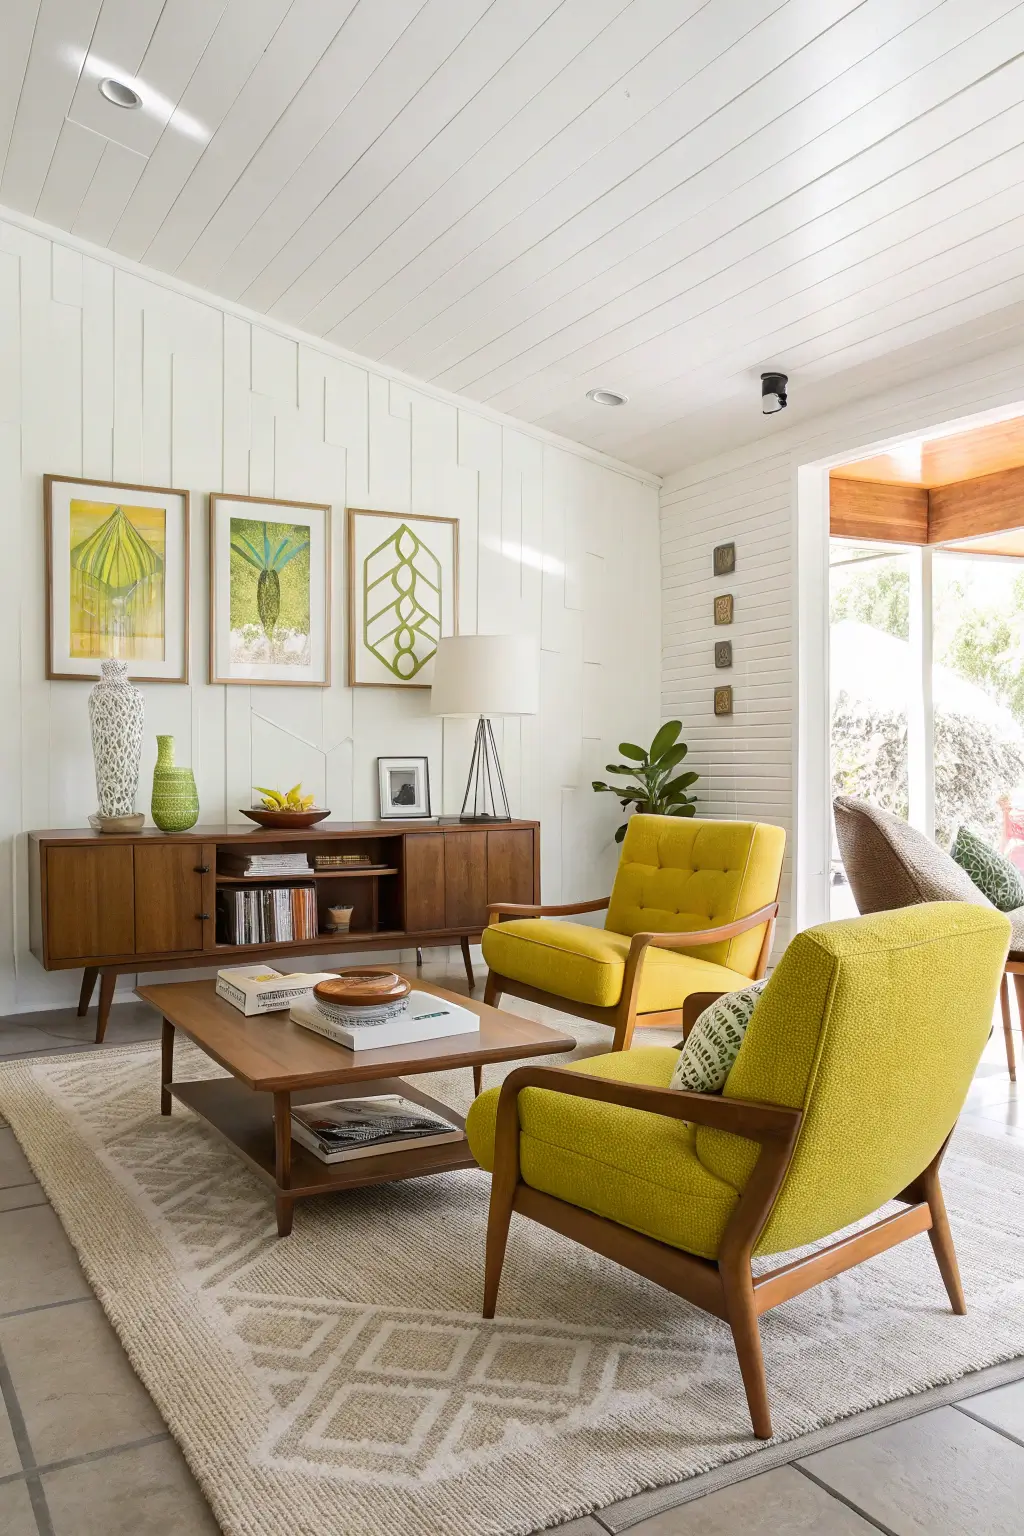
(340,1130)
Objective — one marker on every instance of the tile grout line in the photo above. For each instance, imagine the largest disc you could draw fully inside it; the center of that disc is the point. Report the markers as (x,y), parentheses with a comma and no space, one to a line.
(87,1456)
(23,1444)
(842,1499)
(44,1306)
(1015,1439)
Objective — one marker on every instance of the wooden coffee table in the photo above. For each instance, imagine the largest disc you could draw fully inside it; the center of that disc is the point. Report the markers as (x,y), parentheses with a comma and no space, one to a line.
(275,1063)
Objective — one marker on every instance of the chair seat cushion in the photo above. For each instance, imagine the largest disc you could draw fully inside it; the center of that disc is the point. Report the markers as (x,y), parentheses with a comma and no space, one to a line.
(630,1166)
(586,965)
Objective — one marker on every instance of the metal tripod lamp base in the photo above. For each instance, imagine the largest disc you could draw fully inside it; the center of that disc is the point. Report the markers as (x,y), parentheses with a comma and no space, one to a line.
(485,798)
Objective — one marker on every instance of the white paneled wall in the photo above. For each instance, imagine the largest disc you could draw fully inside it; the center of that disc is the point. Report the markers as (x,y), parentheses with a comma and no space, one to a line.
(748,762)
(106,373)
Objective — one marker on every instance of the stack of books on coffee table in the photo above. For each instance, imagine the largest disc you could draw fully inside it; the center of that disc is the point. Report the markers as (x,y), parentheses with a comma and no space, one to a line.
(420,1016)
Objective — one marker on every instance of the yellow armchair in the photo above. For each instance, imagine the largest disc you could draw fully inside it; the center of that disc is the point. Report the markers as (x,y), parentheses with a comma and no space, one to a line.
(844,1094)
(692,912)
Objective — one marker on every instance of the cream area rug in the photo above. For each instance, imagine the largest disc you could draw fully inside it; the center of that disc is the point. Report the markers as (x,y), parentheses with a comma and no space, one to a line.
(341,1382)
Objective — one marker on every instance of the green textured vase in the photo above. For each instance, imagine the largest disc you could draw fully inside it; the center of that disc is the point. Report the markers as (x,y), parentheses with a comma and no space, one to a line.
(175,805)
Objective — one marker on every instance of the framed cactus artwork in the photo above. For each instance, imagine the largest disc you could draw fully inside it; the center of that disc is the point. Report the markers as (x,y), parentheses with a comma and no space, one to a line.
(116,579)
(270,591)
(403,595)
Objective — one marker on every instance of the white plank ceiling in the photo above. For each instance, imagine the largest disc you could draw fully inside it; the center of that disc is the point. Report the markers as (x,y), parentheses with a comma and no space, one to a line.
(521,200)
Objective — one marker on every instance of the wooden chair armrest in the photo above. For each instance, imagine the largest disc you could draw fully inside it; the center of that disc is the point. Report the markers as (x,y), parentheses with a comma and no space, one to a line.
(756,1121)
(499,909)
(641,941)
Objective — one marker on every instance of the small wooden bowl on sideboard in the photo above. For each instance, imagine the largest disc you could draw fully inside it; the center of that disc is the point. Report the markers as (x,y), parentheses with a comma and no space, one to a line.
(297,819)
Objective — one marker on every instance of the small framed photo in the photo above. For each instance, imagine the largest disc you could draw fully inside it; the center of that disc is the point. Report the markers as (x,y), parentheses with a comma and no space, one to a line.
(404,788)
(270,595)
(723,701)
(724,559)
(723,653)
(723,608)
(116,579)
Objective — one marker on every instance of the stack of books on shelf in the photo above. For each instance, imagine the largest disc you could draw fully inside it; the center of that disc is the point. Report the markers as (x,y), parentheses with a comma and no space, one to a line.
(235,861)
(341,861)
(269,914)
(420,1016)
(343,1129)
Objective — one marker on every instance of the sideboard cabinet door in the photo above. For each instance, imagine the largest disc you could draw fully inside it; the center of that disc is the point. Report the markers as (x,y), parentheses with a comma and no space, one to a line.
(168,898)
(466,879)
(510,874)
(423,862)
(90,907)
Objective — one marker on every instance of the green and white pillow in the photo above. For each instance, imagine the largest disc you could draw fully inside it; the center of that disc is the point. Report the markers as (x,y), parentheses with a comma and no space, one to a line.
(994,876)
(714,1041)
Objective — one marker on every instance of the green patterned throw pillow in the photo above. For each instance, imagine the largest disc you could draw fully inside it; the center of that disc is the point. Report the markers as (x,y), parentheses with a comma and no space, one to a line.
(714,1041)
(994,876)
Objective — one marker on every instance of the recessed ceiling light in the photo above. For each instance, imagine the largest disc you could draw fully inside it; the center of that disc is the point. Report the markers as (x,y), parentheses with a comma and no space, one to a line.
(120,95)
(606,397)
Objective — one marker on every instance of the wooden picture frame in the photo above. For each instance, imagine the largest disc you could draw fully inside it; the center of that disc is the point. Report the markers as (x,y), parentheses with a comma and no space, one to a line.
(432,597)
(414,772)
(270,662)
(723,608)
(74,654)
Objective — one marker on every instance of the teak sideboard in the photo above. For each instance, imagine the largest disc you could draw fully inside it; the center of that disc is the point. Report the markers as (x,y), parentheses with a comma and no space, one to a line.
(148,901)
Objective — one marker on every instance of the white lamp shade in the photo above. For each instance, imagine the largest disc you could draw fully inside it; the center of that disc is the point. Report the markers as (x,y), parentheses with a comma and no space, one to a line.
(486,675)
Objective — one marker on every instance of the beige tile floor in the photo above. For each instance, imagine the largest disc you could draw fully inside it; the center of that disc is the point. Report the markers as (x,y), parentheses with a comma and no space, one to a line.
(83,1451)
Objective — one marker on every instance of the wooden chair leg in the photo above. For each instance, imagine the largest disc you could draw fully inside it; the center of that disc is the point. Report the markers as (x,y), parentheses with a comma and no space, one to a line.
(499,1217)
(89,976)
(108,981)
(942,1241)
(1004,997)
(492,990)
(742,1317)
(467,960)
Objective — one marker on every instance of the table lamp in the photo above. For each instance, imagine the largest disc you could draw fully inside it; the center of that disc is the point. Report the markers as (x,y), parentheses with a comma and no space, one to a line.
(483,676)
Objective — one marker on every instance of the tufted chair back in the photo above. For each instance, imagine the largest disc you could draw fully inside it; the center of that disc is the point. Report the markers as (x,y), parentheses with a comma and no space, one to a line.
(677,874)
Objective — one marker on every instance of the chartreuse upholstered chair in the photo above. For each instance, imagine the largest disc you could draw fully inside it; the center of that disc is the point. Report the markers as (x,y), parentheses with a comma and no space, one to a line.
(692,911)
(850,1078)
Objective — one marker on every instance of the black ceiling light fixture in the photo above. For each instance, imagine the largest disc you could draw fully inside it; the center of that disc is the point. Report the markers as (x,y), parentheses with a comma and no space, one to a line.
(773,393)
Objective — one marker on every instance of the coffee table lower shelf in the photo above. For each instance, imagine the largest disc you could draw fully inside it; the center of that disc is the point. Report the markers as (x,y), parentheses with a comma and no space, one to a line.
(247,1121)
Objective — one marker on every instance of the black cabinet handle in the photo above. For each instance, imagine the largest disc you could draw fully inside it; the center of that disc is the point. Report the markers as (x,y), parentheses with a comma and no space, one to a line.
(201,869)
(204,917)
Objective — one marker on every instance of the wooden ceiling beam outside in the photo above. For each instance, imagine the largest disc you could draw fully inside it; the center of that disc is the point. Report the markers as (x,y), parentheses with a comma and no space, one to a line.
(910,514)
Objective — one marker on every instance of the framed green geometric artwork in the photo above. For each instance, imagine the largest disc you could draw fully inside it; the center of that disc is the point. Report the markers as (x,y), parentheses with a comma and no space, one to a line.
(270,591)
(403,595)
(117,579)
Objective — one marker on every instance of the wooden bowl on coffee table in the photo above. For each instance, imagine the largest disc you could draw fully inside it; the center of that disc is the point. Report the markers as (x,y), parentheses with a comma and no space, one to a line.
(363,986)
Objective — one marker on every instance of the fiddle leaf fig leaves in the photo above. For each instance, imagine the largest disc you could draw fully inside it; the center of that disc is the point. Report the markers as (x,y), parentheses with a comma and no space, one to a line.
(654,791)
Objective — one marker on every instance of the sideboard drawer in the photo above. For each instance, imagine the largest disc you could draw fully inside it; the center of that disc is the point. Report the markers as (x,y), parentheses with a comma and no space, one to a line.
(90,902)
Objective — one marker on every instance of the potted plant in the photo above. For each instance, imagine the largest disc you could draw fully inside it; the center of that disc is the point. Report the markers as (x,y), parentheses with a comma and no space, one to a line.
(654,790)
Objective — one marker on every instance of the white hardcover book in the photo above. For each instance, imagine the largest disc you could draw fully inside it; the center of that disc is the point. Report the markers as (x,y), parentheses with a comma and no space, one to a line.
(254,989)
(428,1018)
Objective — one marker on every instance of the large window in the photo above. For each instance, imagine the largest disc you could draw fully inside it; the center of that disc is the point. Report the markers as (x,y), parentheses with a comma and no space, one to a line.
(926,664)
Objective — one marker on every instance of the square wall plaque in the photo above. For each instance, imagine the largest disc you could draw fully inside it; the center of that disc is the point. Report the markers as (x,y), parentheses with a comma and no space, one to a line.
(724,559)
(723,653)
(723,608)
(723,701)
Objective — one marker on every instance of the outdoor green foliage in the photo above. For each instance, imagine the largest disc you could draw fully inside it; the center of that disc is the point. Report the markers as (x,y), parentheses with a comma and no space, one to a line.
(973,765)
(879,597)
(269,576)
(654,792)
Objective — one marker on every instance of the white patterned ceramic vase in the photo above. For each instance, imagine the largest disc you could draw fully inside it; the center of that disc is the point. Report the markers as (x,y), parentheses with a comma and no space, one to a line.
(116,710)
